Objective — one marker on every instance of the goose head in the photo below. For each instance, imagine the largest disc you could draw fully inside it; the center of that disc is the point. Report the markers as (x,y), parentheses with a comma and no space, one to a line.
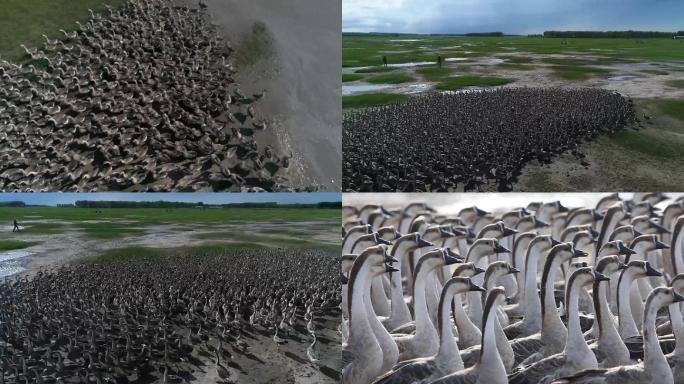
(513,217)
(438,232)
(368,240)
(497,230)
(677,283)
(485,247)
(548,209)
(616,247)
(467,270)
(495,270)
(584,276)
(471,214)
(626,233)
(643,208)
(389,233)
(437,257)
(610,264)
(647,243)
(663,296)
(584,216)
(647,224)
(530,223)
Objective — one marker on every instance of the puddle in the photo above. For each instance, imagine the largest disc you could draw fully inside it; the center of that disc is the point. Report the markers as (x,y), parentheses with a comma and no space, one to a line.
(449,59)
(491,61)
(404,40)
(413,64)
(363,88)
(415,88)
(10,261)
(623,78)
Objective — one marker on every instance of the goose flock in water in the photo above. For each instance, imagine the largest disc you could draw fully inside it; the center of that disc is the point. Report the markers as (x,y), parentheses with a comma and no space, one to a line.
(165,320)
(472,140)
(142,98)
(537,294)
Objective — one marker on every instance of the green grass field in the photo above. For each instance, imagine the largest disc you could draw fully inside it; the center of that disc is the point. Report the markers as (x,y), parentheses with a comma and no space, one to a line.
(456,83)
(23,22)
(347,77)
(675,83)
(434,73)
(10,245)
(389,79)
(371,100)
(365,50)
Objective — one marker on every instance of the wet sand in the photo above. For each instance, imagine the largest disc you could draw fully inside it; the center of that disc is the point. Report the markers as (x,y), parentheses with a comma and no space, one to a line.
(301,78)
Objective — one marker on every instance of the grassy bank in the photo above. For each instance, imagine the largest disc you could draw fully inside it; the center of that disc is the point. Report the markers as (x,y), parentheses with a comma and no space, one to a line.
(371,100)
(10,245)
(23,22)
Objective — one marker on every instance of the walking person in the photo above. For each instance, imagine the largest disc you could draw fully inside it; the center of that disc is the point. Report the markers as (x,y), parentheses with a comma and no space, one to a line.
(384,61)
(16,226)
(439,61)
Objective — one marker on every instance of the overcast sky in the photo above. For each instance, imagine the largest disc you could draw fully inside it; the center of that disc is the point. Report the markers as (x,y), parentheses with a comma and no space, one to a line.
(510,16)
(207,198)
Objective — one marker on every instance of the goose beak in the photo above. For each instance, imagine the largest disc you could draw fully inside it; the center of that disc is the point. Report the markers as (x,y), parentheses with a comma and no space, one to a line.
(508,301)
(598,276)
(623,250)
(397,235)
(508,232)
(659,228)
(637,233)
(474,287)
(481,212)
(477,270)
(594,233)
(344,279)
(450,257)
(554,242)
(389,268)
(540,224)
(661,245)
(390,259)
(459,232)
(676,297)
(622,266)
(561,208)
(597,215)
(650,271)
(578,253)
(501,249)
(513,270)
(445,233)
(423,243)
(386,212)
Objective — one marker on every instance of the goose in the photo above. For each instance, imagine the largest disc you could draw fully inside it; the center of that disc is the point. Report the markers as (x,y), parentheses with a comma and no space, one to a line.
(626,299)
(447,360)
(531,305)
(520,246)
(489,368)
(676,357)
(654,369)
(424,342)
(677,247)
(611,220)
(643,246)
(609,348)
(367,360)
(551,339)
(468,333)
(481,249)
(576,356)
(400,313)
(352,234)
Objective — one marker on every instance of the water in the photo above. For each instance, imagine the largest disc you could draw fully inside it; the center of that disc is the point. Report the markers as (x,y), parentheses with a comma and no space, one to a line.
(363,88)
(404,40)
(11,263)
(623,78)
(456,59)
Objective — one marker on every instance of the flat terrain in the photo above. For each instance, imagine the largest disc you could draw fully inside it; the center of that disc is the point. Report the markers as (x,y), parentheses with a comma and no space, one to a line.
(647,156)
(57,236)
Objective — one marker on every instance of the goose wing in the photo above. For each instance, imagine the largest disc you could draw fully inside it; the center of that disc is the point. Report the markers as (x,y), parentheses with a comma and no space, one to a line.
(526,346)
(466,376)
(618,375)
(408,372)
(534,373)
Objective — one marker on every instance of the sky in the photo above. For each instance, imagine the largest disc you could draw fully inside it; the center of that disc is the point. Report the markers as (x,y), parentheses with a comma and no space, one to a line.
(510,16)
(207,198)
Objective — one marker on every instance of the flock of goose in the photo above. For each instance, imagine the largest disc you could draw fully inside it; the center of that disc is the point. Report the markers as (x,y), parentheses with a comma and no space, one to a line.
(472,140)
(142,98)
(536,294)
(181,319)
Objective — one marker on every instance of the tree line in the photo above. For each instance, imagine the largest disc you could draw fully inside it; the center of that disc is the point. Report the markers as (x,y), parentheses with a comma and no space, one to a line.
(611,34)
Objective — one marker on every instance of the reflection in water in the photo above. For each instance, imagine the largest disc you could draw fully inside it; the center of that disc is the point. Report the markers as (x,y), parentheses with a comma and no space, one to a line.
(10,261)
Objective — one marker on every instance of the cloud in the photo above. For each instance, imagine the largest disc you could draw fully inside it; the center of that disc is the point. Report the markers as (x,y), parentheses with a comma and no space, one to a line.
(519,16)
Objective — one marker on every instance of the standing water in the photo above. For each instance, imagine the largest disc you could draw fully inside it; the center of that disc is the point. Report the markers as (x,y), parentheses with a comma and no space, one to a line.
(11,261)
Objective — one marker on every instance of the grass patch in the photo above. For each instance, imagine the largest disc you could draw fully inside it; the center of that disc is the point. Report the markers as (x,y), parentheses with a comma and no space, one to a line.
(675,83)
(434,73)
(577,72)
(375,70)
(108,231)
(389,79)
(346,77)
(454,83)
(648,144)
(519,59)
(258,46)
(43,228)
(371,100)
(23,22)
(673,108)
(655,72)
(10,245)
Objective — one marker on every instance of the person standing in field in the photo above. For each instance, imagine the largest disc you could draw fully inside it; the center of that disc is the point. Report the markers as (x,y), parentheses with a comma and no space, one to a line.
(384,61)
(439,61)
(16,226)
